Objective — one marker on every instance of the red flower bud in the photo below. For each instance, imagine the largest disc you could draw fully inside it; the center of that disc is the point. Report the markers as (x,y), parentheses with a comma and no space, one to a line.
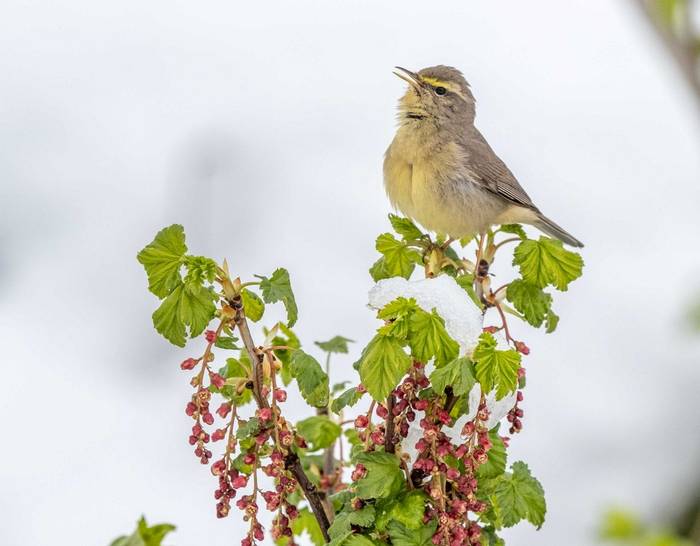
(361,421)
(280,395)
(224,410)
(210,336)
(188,364)
(217,380)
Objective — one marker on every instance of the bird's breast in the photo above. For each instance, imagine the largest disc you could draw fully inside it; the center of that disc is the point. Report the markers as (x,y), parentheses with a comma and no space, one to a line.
(432,185)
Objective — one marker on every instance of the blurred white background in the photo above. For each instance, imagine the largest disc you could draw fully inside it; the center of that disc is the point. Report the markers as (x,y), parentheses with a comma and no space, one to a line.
(261,128)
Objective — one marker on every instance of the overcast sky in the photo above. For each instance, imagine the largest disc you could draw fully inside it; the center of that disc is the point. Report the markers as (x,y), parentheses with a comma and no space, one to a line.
(261,128)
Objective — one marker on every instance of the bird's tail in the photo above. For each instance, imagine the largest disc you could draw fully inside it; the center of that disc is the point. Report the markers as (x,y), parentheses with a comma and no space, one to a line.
(550,228)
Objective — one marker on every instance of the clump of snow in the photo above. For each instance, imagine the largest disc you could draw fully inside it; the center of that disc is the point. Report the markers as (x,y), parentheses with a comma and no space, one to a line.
(463,320)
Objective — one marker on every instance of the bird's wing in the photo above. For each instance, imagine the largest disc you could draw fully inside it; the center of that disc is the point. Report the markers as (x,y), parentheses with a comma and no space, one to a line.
(492,173)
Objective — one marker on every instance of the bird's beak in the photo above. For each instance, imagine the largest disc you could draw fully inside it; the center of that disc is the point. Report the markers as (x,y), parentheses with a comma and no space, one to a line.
(411,77)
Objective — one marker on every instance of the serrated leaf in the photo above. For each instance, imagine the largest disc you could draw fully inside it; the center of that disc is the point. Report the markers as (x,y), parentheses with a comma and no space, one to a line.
(312,380)
(382,364)
(520,496)
(343,522)
(337,344)
(401,536)
(253,306)
(496,463)
(348,399)
(188,305)
(405,227)
(546,261)
(319,431)
(200,269)
(279,288)
(495,369)
(458,374)
(399,259)
(429,339)
(408,509)
(530,300)
(162,259)
(384,477)
(398,312)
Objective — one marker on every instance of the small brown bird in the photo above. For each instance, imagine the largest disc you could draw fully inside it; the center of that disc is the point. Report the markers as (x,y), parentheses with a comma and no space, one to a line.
(440,171)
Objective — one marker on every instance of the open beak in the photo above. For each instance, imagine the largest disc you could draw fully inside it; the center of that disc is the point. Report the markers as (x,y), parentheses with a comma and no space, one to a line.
(411,77)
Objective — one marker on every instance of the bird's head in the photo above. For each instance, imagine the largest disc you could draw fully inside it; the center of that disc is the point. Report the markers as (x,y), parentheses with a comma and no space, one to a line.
(437,93)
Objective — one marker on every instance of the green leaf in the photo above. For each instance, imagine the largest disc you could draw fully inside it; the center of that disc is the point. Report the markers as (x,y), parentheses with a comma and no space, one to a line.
(278,288)
(306,522)
(162,259)
(248,428)
(494,368)
(401,536)
(429,339)
(382,364)
(145,535)
(520,496)
(343,522)
(319,431)
(405,227)
(312,380)
(515,229)
(200,269)
(407,510)
(399,259)
(458,374)
(490,538)
(337,344)
(253,306)
(398,312)
(233,368)
(189,305)
(496,463)
(530,300)
(384,478)
(349,398)
(546,261)
(466,282)
(226,342)
(552,322)
(378,270)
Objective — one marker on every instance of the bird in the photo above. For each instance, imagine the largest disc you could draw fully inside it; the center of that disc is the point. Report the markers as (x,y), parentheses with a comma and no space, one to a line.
(440,171)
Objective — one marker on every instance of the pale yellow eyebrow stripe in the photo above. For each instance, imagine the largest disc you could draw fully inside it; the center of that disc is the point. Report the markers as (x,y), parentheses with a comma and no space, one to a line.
(447,85)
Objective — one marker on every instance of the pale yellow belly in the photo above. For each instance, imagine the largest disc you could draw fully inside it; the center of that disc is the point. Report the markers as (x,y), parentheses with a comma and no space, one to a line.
(434,194)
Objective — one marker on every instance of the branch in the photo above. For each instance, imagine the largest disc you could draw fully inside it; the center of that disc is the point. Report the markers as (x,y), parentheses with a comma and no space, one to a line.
(291,461)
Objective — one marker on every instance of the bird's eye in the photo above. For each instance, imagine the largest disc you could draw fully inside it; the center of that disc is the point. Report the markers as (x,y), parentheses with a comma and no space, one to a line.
(440,90)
